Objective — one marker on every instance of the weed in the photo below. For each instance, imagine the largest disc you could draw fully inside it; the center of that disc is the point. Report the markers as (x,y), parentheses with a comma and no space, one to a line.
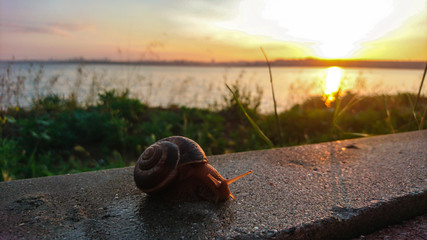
(254,125)
(272,93)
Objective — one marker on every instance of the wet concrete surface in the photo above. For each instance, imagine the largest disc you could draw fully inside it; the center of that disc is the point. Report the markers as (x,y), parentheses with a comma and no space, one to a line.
(341,189)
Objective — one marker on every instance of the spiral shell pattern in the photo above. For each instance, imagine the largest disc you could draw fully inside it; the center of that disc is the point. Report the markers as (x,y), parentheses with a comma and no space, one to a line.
(158,165)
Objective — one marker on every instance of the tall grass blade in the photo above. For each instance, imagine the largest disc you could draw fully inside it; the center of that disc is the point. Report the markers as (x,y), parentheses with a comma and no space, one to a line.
(354,100)
(358,134)
(421,123)
(413,110)
(340,111)
(421,86)
(337,112)
(254,125)
(272,92)
(421,126)
(387,111)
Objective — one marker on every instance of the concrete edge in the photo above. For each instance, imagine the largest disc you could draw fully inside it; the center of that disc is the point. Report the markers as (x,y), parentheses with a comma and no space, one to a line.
(351,223)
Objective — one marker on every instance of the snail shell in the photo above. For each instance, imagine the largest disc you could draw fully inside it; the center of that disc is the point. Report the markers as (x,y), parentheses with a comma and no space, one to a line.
(177,168)
(158,164)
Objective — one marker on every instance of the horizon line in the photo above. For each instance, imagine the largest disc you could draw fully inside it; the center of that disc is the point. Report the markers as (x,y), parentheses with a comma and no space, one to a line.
(278,62)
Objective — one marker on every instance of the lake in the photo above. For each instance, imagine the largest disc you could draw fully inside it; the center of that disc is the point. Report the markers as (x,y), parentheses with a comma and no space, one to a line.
(195,86)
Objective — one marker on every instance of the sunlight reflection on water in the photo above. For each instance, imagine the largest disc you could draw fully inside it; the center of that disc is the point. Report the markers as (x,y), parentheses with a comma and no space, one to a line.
(332,84)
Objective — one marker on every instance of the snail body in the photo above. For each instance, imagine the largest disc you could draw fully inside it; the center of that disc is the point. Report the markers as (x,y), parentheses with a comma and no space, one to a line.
(177,168)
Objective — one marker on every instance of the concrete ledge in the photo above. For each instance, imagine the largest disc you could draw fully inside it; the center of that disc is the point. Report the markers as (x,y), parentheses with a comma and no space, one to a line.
(331,190)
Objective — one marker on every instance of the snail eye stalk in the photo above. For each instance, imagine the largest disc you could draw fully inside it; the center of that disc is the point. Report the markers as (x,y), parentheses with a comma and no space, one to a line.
(214,180)
(228,181)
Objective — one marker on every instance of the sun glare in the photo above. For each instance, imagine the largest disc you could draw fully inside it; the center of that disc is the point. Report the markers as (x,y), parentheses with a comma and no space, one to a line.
(332,84)
(336,27)
(330,28)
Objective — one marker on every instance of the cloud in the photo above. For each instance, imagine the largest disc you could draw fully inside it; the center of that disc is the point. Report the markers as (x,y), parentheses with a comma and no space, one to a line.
(59,29)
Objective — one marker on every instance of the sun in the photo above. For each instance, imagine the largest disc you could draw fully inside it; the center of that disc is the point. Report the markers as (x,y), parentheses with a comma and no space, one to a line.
(335,27)
(330,28)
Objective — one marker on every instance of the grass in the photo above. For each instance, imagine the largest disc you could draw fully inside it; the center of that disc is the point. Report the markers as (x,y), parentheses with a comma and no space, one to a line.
(58,135)
(423,116)
(251,121)
(272,93)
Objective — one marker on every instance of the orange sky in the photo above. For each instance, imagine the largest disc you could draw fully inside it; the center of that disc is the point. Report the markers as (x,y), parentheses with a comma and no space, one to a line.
(219,30)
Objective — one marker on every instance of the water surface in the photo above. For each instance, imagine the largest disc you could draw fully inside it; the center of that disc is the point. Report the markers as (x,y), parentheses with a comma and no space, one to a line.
(201,86)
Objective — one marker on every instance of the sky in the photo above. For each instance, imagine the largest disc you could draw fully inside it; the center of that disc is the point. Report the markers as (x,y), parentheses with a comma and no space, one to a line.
(213,30)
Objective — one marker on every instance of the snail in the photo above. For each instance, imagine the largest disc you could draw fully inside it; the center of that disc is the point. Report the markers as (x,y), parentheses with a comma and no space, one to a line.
(177,168)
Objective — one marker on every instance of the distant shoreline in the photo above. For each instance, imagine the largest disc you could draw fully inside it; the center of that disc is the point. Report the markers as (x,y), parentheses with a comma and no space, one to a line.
(309,62)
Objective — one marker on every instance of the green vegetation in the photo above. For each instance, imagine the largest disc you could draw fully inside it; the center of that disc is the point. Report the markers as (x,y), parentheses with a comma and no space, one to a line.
(57,135)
